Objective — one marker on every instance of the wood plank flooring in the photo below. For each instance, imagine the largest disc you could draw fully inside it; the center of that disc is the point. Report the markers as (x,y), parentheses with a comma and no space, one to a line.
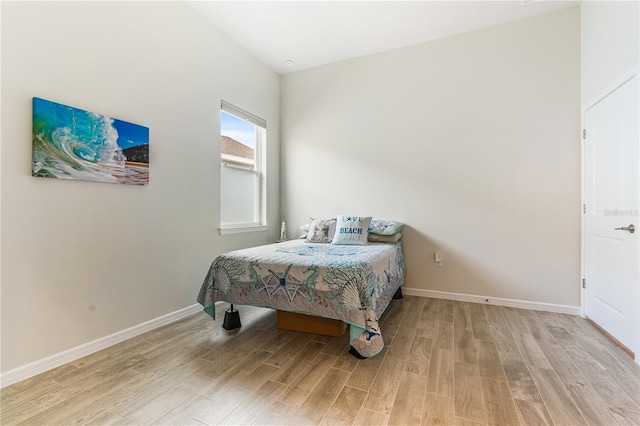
(444,362)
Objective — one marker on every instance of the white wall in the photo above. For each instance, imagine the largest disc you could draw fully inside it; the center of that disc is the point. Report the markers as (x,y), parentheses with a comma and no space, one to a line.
(472,141)
(610,43)
(82,260)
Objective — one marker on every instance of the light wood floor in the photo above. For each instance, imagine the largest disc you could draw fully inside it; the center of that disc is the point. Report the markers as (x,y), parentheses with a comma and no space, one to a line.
(444,362)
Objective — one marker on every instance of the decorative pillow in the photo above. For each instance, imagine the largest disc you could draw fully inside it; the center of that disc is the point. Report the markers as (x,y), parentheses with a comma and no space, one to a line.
(321,230)
(351,230)
(385,227)
(375,238)
(304,231)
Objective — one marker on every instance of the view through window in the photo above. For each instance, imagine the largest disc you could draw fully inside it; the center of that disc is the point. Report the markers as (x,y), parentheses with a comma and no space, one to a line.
(243,139)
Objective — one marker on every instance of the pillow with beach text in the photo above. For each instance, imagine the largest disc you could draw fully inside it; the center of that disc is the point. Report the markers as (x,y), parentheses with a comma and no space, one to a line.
(351,230)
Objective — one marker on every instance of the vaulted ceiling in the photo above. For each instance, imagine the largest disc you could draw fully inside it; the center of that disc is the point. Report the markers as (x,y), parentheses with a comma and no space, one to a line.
(294,35)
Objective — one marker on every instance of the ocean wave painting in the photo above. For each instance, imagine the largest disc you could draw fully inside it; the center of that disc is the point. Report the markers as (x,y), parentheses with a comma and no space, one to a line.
(70,143)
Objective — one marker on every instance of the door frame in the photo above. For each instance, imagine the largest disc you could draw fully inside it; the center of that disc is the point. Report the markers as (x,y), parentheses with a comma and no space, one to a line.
(635,72)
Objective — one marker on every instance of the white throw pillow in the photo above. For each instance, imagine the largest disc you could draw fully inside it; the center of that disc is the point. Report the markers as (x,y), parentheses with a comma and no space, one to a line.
(351,230)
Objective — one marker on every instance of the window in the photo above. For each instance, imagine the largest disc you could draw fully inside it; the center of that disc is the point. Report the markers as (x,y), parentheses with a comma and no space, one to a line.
(242,173)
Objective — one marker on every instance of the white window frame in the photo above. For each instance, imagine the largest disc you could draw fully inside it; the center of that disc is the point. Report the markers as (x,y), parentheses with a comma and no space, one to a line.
(260,201)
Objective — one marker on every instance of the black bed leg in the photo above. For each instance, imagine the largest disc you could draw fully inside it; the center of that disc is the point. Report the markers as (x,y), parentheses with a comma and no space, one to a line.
(398,294)
(355,353)
(231,319)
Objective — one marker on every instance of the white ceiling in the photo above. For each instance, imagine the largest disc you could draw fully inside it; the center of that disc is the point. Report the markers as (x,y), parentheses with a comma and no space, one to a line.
(314,33)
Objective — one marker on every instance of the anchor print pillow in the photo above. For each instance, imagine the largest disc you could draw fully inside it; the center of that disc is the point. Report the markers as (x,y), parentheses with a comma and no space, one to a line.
(351,230)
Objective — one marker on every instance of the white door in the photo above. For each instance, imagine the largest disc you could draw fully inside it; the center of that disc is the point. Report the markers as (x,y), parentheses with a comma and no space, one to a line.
(611,194)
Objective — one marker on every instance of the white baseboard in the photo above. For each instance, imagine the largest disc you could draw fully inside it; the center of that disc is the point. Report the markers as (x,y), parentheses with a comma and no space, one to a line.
(34,368)
(513,303)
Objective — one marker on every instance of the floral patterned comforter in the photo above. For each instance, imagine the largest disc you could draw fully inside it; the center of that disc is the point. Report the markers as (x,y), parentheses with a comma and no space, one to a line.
(350,283)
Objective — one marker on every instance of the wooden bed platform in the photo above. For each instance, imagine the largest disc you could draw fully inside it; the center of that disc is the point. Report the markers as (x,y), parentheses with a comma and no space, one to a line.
(310,324)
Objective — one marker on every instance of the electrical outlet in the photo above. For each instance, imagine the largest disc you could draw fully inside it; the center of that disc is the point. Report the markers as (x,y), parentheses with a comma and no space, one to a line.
(438,258)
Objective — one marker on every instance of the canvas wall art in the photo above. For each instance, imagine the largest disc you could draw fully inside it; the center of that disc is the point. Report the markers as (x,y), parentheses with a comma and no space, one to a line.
(70,143)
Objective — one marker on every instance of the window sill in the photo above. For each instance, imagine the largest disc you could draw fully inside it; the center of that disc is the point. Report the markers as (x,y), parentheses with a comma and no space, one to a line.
(236,229)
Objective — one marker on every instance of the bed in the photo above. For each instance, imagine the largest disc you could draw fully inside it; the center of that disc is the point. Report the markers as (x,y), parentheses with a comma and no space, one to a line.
(350,283)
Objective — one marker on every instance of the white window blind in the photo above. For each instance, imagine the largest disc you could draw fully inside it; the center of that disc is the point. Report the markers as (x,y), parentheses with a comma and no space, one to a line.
(247,116)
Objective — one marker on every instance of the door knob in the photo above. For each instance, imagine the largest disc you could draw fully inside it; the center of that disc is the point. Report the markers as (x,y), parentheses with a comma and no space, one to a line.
(629,228)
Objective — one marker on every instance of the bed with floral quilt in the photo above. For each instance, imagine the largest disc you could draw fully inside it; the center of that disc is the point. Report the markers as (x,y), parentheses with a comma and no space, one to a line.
(351,283)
